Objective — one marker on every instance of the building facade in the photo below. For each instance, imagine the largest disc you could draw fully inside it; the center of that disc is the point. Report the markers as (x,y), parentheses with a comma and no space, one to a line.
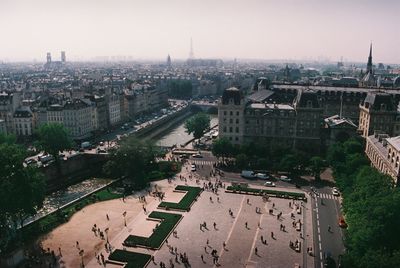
(378,112)
(23,122)
(384,154)
(244,120)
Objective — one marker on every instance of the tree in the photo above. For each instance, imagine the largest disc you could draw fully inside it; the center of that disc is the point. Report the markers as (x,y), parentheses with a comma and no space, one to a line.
(197,125)
(133,160)
(289,163)
(242,161)
(22,190)
(53,138)
(222,148)
(9,139)
(317,164)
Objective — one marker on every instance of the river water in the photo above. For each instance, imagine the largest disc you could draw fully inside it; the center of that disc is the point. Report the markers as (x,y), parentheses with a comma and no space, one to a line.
(178,134)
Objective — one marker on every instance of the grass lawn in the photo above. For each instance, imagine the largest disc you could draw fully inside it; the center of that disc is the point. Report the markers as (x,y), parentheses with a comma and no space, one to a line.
(133,259)
(280,194)
(187,201)
(155,240)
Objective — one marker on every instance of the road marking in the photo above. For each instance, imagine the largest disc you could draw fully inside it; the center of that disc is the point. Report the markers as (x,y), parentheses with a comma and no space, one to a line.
(319,238)
(319,230)
(230,232)
(254,241)
(320,246)
(320,256)
(317,217)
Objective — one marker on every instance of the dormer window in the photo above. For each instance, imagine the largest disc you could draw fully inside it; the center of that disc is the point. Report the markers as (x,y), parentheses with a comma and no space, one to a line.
(383,107)
(309,104)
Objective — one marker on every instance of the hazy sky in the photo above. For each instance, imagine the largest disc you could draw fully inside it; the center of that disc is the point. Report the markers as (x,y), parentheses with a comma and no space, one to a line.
(264,29)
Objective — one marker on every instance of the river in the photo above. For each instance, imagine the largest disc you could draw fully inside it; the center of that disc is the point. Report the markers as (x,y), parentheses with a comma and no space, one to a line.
(178,134)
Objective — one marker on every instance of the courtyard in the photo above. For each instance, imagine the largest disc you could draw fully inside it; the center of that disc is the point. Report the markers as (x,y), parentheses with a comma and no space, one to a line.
(257,233)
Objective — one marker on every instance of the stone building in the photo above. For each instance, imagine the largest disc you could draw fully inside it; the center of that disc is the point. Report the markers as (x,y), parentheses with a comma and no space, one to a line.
(23,122)
(9,102)
(379,112)
(384,154)
(297,125)
(143,98)
(113,109)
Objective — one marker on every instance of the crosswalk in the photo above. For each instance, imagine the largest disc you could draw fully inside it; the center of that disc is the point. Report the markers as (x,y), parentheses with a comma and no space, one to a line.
(328,196)
(203,162)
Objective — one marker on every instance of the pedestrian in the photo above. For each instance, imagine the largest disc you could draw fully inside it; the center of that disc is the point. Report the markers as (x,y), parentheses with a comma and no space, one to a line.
(208,242)
(248,201)
(77,244)
(202,258)
(215,225)
(272,234)
(246,224)
(218,199)
(205,249)
(256,250)
(201,227)
(223,244)
(59,251)
(262,239)
(108,218)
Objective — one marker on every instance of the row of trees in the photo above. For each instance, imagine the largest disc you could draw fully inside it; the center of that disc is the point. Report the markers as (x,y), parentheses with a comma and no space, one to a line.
(23,188)
(180,89)
(268,156)
(22,191)
(371,204)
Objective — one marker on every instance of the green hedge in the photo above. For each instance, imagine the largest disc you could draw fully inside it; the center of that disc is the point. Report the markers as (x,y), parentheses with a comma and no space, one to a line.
(155,240)
(187,201)
(133,259)
(281,194)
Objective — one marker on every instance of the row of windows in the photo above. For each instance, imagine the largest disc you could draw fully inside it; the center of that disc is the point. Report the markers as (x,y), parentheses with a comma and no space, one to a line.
(231,113)
(230,129)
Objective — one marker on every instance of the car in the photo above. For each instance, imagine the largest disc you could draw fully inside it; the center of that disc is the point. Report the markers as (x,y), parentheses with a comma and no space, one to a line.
(101,151)
(193,167)
(197,155)
(335,192)
(342,223)
(285,178)
(269,184)
(261,176)
(101,143)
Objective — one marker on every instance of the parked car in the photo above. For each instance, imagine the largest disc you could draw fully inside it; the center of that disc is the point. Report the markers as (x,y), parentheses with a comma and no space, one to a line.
(335,191)
(342,223)
(248,174)
(193,167)
(285,178)
(262,176)
(197,155)
(269,184)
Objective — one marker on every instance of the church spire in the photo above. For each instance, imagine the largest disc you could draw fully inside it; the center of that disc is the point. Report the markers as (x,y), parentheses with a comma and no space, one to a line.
(369,65)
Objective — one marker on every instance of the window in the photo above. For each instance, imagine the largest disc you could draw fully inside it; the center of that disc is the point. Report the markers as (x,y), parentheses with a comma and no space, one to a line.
(230,130)
(236,138)
(237,113)
(237,121)
(237,130)
(231,113)
(231,120)
(224,112)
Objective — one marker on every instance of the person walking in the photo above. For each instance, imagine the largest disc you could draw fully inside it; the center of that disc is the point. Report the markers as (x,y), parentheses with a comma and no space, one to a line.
(256,250)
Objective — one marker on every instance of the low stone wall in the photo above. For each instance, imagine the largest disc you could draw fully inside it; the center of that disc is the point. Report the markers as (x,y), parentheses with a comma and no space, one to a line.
(73,170)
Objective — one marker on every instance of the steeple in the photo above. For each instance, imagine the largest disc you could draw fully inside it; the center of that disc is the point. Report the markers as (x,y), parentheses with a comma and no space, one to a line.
(369,65)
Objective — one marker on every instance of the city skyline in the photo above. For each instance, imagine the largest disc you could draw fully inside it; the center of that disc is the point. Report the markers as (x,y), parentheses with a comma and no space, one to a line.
(267,30)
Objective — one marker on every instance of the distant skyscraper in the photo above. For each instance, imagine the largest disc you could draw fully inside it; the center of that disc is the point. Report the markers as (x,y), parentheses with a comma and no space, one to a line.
(191,53)
(63,57)
(169,61)
(48,57)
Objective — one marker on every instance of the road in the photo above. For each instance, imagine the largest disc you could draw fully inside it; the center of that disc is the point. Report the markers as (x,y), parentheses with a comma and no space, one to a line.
(326,211)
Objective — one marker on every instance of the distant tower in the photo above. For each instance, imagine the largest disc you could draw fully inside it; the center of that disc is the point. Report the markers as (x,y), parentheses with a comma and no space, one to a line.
(48,57)
(63,58)
(169,61)
(191,53)
(369,64)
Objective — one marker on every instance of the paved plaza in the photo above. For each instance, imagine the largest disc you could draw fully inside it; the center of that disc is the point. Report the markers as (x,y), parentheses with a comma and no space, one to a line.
(241,242)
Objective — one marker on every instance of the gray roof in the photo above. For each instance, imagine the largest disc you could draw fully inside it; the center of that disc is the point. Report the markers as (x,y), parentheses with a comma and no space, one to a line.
(260,96)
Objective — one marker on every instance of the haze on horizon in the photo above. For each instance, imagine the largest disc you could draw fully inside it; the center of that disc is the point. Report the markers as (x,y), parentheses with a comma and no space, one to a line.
(152,29)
